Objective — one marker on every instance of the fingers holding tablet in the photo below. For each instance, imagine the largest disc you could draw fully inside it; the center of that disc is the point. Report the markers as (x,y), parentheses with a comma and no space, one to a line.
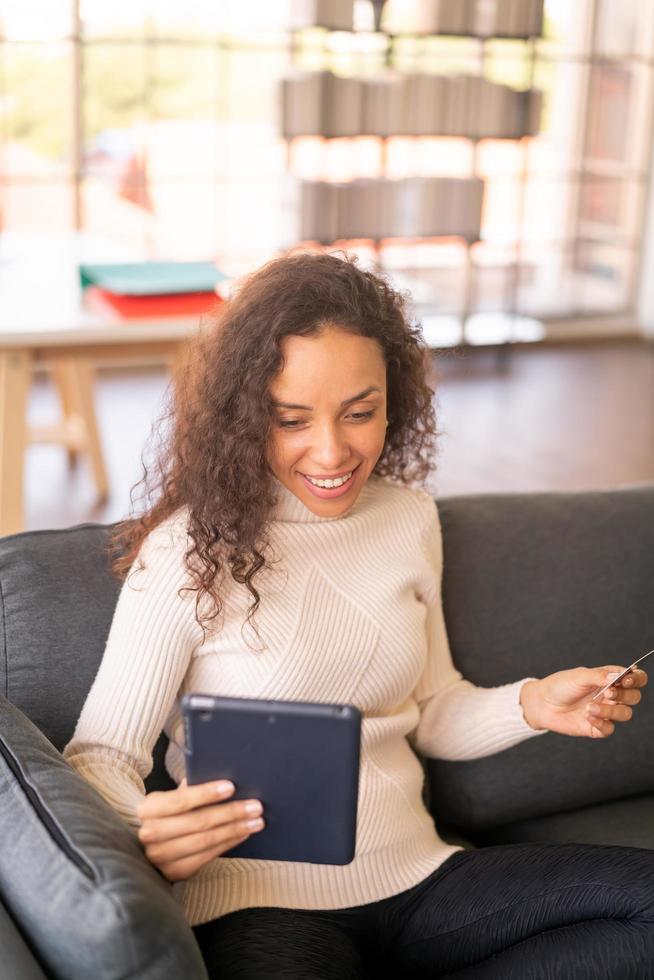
(185,868)
(184,798)
(182,829)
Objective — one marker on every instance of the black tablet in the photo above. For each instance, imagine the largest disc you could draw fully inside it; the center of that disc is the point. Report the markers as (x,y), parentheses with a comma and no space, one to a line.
(301,759)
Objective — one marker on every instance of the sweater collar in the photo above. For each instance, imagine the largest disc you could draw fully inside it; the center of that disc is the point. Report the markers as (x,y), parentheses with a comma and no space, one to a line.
(289,508)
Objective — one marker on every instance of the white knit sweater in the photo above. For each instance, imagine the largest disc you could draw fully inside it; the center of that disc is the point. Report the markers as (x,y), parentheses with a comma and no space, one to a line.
(350,613)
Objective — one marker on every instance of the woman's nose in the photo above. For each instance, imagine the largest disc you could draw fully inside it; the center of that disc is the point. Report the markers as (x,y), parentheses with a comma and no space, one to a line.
(330,447)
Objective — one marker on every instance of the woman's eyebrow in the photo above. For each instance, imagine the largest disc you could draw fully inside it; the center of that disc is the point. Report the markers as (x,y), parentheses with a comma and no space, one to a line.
(348,401)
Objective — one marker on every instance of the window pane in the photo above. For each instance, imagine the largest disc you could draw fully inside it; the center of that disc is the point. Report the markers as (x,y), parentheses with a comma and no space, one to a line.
(555,148)
(619,116)
(118,212)
(204,18)
(168,220)
(610,99)
(547,285)
(118,19)
(184,219)
(187,221)
(549,211)
(610,209)
(624,27)
(566,27)
(444,55)
(604,277)
(184,82)
(35,20)
(252,219)
(508,62)
(37,109)
(429,156)
(250,83)
(433,270)
(36,206)
(500,221)
(201,19)
(494,277)
(114,104)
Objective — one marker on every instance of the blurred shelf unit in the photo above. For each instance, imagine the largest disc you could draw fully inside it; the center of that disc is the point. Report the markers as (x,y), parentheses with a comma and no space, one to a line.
(462,18)
(377,208)
(391,102)
(400,104)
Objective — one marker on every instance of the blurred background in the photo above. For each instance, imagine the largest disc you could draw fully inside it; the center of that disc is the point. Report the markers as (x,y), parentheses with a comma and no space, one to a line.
(493,157)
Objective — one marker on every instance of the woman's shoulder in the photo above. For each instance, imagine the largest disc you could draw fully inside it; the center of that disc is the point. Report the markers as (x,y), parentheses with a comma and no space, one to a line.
(170,534)
(411,502)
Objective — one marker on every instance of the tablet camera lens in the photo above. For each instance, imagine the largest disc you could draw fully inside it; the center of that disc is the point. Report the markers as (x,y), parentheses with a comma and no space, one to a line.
(205,716)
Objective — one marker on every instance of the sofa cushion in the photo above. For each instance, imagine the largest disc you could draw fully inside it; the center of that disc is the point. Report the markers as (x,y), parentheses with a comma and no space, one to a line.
(532,584)
(17,958)
(73,875)
(57,599)
(626,823)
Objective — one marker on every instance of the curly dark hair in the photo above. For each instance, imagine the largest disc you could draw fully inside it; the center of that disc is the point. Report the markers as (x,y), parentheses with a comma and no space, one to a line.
(219,414)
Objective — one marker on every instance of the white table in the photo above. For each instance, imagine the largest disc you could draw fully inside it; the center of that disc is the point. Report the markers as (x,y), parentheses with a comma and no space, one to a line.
(43,320)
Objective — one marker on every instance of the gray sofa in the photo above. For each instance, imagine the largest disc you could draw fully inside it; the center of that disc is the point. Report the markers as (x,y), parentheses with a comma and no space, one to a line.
(532,584)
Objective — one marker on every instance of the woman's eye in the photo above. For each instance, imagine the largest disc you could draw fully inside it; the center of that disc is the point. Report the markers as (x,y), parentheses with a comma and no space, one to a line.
(357,416)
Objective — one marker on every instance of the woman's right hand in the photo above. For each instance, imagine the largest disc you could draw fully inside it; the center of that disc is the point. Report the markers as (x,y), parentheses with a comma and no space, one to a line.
(185,828)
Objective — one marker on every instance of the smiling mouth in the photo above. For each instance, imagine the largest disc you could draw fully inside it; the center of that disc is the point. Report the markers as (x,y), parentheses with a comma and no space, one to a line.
(338,476)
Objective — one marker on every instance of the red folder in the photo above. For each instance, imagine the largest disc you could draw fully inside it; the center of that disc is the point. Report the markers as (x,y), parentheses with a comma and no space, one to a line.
(130,307)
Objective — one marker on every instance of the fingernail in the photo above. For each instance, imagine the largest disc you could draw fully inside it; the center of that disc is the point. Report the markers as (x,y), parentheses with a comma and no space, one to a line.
(255,824)
(593,709)
(253,807)
(224,787)
(612,677)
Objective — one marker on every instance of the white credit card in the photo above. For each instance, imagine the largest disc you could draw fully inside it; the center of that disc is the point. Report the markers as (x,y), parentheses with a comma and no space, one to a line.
(621,675)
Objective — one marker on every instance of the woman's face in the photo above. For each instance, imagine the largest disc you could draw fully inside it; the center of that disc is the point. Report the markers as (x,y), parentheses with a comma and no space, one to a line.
(330,417)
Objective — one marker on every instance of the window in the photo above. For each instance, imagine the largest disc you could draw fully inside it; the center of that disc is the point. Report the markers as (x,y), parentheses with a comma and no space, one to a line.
(153,129)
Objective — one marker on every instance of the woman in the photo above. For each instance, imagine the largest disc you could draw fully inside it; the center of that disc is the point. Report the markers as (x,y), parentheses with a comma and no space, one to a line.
(289,555)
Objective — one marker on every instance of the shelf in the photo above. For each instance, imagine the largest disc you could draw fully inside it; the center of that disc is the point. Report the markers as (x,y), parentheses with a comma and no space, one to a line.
(420,36)
(410,136)
(468,240)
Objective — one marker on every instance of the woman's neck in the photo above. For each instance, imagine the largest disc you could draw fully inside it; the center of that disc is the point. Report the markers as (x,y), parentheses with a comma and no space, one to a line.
(290,509)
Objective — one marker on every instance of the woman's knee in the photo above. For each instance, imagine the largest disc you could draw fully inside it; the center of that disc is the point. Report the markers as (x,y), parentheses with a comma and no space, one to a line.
(275,942)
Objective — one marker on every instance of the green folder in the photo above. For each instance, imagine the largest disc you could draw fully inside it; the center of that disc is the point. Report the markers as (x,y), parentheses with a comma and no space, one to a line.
(152,278)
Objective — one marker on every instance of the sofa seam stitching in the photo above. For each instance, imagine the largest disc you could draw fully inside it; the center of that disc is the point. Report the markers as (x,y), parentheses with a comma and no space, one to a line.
(4,639)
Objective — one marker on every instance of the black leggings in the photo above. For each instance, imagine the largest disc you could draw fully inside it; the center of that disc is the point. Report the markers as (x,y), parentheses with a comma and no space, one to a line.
(510,912)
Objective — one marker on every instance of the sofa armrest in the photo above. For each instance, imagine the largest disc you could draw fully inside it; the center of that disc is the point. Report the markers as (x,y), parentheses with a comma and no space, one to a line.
(18,961)
(74,876)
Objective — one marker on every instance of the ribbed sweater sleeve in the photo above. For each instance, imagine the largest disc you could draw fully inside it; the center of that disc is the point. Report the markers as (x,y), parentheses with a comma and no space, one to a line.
(151,639)
(458,720)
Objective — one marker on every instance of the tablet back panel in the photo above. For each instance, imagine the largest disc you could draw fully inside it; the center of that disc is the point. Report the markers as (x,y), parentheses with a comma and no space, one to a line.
(300,759)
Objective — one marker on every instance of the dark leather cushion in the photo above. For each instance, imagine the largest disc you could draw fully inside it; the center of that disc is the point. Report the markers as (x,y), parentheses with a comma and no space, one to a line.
(57,599)
(532,584)
(73,875)
(626,823)
(17,958)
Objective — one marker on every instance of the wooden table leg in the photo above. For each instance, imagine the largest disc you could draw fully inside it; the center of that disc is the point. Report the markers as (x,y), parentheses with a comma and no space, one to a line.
(82,372)
(70,408)
(78,429)
(15,373)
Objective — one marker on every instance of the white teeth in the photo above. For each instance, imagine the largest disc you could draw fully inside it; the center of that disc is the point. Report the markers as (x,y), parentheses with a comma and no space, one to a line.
(329,484)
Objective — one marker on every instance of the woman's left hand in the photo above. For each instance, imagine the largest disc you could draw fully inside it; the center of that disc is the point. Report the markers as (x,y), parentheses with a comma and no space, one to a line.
(561,702)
